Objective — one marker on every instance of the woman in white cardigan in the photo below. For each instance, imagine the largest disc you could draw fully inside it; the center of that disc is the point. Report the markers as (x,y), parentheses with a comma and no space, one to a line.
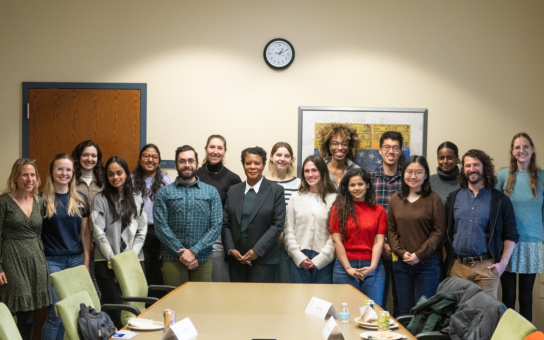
(306,232)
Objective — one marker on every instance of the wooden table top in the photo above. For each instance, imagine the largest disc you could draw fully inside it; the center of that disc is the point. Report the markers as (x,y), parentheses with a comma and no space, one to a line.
(256,310)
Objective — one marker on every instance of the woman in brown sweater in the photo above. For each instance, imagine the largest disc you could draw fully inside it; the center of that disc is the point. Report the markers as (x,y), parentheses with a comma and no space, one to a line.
(416,227)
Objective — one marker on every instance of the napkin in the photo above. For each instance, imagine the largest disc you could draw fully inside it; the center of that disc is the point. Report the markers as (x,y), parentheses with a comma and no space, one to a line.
(368,314)
(140,323)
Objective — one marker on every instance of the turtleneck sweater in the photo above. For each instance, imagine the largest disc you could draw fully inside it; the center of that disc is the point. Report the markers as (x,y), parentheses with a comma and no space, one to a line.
(219,177)
(443,183)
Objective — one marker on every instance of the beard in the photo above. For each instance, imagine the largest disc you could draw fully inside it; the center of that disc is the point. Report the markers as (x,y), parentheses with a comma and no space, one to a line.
(186,176)
(478,178)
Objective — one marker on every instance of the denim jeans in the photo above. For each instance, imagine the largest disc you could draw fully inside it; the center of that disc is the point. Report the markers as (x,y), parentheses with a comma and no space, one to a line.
(371,286)
(53,328)
(314,275)
(414,281)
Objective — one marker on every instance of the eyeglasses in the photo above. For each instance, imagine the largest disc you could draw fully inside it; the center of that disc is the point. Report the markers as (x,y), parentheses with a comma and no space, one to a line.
(185,161)
(410,173)
(395,148)
(337,144)
(148,156)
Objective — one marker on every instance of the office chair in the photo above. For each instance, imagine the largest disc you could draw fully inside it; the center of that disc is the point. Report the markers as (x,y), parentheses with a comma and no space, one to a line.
(8,327)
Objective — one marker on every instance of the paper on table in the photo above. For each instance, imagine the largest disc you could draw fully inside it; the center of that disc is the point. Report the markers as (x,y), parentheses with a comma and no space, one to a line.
(368,314)
(329,327)
(181,330)
(320,308)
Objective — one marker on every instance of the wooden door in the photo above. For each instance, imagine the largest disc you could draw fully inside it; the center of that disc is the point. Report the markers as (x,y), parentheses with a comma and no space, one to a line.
(60,118)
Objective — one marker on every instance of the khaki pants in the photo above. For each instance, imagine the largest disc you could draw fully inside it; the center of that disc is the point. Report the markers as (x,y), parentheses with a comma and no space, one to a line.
(477,272)
(175,273)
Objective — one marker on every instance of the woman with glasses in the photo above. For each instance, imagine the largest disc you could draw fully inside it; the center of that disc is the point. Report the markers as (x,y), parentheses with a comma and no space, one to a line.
(358,226)
(65,233)
(416,227)
(148,179)
(523,182)
(338,147)
(24,283)
(214,172)
(120,224)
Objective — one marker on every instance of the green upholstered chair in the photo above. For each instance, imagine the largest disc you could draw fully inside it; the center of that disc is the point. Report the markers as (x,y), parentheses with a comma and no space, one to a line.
(8,327)
(70,281)
(133,283)
(512,326)
(68,310)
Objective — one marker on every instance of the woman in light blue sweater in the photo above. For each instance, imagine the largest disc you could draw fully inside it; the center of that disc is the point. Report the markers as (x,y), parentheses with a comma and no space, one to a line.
(523,183)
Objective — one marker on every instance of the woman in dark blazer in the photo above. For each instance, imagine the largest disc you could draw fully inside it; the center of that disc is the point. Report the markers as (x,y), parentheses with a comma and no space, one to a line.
(253,219)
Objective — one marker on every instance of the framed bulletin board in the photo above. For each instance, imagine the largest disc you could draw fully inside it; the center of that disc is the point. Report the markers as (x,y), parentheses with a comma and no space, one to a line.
(370,123)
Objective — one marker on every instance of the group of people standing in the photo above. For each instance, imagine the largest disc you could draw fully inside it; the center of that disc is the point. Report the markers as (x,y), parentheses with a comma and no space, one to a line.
(336,224)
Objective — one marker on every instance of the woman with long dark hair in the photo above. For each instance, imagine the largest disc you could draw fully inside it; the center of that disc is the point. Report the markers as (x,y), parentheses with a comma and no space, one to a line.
(119,224)
(307,237)
(358,226)
(65,233)
(416,227)
(148,179)
(523,182)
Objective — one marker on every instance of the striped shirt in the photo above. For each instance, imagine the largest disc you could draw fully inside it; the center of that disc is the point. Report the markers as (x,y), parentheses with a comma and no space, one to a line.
(289,187)
(187,216)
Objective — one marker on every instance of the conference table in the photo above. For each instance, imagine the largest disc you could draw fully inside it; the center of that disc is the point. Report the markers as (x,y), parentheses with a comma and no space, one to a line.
(228,310)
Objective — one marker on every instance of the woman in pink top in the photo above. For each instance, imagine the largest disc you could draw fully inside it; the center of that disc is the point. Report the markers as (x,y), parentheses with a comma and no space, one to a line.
(358,227)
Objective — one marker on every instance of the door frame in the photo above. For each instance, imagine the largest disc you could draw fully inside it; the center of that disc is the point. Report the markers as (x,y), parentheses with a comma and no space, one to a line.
(86,86)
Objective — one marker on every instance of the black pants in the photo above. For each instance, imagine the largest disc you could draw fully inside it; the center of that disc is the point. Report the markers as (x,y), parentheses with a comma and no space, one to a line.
(526,283)
(388,266)
(153,261)
(111,292)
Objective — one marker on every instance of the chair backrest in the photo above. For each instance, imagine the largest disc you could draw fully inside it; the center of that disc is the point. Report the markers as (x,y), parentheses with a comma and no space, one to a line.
(512,326)
(8,328)
(131,278)
(69,281)
(68,310)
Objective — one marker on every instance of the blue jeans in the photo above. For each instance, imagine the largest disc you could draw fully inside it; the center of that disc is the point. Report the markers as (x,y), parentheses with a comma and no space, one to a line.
(372,286)
(314,275)
(53,328)
(414,281)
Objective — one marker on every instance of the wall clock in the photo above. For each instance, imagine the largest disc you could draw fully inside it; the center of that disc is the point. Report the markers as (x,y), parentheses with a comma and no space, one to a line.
(279,54)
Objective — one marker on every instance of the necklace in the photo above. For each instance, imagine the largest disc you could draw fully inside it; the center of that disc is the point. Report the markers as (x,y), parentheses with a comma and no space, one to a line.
(213,172)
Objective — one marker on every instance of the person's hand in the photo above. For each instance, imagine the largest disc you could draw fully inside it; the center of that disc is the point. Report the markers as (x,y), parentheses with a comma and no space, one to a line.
(356,274)
(280,241)
(411,259)
(250,256)
(187,257)
(193,264)
(3,279)
(386,253)
(307,264)
(365,271)
(499,267)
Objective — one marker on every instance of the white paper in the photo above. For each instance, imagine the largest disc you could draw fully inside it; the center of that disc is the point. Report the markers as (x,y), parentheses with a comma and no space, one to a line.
(182,330)
(329,327)
(320,308)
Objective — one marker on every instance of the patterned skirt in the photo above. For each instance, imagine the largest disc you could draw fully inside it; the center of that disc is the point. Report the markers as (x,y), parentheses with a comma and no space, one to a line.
(526,258)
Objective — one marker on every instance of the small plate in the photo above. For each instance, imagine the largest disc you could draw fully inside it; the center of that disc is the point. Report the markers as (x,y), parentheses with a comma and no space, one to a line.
(382,335)
(374,325)
(141,325)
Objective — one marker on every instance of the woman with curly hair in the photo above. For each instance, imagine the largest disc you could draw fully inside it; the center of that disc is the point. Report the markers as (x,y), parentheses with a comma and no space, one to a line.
(523,183)
(358,226)
(416,227)
(148,179)
(338,147)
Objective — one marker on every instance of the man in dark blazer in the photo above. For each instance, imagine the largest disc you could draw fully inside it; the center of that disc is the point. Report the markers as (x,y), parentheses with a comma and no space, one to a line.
(253,219)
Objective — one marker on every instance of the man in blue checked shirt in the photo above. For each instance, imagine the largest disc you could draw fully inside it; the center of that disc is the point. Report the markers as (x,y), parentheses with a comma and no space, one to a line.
(188,218)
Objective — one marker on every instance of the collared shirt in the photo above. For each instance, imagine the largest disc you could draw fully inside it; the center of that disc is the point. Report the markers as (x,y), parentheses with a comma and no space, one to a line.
(187,216)
(350,165)
(255,187)
(471,222)
(385,186)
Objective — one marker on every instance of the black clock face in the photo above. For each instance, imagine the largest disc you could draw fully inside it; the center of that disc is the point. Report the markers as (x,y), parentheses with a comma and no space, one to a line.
(279,53)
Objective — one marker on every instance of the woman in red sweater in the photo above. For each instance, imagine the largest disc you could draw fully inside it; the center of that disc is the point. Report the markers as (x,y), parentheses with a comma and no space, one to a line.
(358,227)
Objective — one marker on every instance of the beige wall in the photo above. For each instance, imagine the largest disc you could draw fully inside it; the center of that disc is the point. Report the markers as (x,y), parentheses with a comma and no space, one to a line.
(476,66)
